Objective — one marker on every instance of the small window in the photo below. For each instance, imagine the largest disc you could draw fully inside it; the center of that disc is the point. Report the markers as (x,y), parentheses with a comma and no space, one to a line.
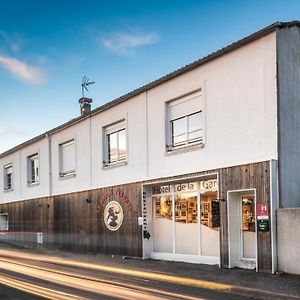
(8,177)
(33,169)
(185,123)
(67,159)
(3,222)
(115,144)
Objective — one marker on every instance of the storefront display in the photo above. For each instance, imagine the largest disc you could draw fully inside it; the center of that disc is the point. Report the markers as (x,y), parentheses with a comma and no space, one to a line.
(186,218)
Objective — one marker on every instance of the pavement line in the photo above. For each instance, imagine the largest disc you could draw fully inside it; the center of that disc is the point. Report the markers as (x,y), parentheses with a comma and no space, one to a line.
(142,274)
(37,290)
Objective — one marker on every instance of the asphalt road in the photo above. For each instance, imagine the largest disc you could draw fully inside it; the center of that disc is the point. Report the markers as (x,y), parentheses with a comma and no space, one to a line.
(8,293)
(54,280)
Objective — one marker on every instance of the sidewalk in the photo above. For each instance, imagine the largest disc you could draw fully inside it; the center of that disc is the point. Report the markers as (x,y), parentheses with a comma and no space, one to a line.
(237,281)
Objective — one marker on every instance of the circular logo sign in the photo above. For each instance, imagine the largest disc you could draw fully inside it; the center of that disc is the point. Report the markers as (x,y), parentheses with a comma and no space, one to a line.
(113,215)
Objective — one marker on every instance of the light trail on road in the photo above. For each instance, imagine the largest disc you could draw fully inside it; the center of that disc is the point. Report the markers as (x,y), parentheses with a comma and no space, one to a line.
(95,285)
(124,271)
(37,290)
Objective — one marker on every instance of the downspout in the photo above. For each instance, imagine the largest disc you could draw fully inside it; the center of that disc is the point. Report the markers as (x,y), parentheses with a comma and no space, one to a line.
(147,136)
(49,163)
(91,162)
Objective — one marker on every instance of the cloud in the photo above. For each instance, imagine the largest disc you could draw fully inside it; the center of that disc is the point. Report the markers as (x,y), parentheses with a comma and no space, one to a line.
(11,130)
(22,70)
(14,41)
(10,136)
(125,43)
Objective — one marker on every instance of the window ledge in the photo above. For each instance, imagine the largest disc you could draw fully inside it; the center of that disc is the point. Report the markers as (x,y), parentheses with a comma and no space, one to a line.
(184,149)
(114,165)
(32,184)
(67,176)
(8,190)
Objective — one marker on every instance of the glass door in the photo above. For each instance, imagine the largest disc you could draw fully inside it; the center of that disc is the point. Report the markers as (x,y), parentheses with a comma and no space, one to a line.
(248,232)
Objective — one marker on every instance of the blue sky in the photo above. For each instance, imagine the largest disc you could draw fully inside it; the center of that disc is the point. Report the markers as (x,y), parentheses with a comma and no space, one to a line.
(46,47)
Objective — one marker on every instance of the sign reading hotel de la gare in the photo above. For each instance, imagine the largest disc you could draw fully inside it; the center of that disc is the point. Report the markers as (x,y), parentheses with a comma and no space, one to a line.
(113,214)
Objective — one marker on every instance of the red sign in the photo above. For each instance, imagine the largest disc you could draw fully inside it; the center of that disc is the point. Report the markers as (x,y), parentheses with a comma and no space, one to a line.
(262,209)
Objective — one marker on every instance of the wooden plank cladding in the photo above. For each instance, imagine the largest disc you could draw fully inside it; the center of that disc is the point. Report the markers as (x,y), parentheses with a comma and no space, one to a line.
(79,221)
(251,176)
(73,222)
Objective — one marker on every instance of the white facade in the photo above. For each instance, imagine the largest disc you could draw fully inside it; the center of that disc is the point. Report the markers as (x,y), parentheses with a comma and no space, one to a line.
(239,107)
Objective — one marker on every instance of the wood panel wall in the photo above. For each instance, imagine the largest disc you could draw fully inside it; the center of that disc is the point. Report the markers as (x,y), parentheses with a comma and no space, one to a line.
(70,222)
(251,176)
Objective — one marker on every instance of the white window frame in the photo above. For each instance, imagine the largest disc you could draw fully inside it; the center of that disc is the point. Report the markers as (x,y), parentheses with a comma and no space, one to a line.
(111,129)
(8,188)
(30,159)
(169,122)
(6,227)
(67,173)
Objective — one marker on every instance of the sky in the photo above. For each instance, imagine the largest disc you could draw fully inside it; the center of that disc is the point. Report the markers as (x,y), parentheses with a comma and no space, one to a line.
(47,47)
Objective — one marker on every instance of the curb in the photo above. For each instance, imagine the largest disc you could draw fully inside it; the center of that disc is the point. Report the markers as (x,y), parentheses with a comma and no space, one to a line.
(260,294)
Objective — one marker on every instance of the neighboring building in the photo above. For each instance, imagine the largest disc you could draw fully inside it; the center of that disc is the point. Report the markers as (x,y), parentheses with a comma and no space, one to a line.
(187,167)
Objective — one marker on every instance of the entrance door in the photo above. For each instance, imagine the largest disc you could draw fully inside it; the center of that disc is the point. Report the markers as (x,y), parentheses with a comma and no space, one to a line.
(241,229)
(247,237)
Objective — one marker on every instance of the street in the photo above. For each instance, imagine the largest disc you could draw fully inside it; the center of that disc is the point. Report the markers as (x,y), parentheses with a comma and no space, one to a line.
(55,278)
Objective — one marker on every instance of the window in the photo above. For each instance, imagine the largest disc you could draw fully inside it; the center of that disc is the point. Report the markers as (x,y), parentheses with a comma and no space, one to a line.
(185,125)
(115,144)
(33,169)
(3,222)
(67,159)
(8,177)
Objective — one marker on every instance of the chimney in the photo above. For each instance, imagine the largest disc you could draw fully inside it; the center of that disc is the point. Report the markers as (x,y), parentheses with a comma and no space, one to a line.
(85,106)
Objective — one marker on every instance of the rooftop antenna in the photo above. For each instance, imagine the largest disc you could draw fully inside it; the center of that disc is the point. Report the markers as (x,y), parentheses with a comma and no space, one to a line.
(84,84)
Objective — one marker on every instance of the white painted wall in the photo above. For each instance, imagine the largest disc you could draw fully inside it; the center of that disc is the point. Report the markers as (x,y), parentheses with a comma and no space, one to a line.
(81,134)
(239,94)
(21,188)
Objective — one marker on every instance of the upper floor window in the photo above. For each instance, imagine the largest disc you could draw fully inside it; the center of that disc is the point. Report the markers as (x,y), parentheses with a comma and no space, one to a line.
(67,159)
(185,124)
(8,177)
(115,143)
(33,168)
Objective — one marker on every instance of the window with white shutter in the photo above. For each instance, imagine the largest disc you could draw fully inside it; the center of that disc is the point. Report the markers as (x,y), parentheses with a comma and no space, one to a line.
(8,177)
(33,169)
(67,158)
(185,121)
(115,145)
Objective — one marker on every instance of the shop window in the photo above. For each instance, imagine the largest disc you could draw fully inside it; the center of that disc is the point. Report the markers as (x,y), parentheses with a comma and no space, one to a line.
(163,224)
(33,169)
(186,218)
(209,216)
(185,123)
(3,222)
(8,177)
(186,227)
(67,159)
(115,144)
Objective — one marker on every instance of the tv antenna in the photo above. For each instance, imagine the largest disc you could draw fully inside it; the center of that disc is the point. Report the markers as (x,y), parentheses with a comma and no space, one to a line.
(84,84)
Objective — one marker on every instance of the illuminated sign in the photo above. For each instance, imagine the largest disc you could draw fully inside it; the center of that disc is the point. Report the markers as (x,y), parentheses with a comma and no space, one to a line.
(209,185)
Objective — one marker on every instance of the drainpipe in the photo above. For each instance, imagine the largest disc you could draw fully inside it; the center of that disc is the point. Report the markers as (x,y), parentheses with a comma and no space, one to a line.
(49,163)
